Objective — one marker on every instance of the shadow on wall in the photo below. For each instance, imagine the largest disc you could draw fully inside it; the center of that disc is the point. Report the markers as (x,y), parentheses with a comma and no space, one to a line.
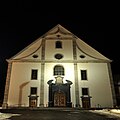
(21,92)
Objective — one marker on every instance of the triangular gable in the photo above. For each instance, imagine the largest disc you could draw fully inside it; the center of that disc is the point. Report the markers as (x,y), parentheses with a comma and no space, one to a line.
(34,48)
(36,45)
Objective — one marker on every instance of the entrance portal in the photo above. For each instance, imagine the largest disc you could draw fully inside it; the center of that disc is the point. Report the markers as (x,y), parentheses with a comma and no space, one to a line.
(59,99)
(59,93)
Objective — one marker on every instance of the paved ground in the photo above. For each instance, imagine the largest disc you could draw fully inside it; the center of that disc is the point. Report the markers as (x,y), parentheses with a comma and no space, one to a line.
(54,114)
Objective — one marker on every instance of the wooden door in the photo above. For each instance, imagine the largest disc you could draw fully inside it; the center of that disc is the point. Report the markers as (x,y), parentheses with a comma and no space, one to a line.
(59,99)
(86,102)
(33,103)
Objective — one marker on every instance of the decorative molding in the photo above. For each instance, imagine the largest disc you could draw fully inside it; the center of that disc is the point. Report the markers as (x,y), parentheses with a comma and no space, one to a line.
(60,61)
(74,50)
(87,53)
(60,38)
(59,30)
(29,54)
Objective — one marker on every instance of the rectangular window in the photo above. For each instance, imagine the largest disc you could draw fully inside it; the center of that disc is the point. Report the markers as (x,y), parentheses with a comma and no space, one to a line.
(83,74)
(34,74)
(85,91)
(33,90)
(58,44)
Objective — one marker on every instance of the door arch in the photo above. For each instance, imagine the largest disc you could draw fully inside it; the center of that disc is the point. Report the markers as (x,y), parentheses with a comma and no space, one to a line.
(59,99)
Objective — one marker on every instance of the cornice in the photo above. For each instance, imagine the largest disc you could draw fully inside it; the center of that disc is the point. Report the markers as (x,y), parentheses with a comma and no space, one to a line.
(60,61)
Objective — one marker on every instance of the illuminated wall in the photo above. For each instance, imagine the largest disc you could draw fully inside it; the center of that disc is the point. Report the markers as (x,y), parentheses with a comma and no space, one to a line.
(97,82)
(21,83)
(77,56)
(69,75)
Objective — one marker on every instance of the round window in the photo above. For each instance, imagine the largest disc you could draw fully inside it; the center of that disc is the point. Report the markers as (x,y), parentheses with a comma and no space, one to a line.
(35,56)
(82,56)
(58,56)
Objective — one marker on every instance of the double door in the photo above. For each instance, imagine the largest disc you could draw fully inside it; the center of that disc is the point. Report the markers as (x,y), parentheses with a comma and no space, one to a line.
(33,102)
(86,102)
(59,99)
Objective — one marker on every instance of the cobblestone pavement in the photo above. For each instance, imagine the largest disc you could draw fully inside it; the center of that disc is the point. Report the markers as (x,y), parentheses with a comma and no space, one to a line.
(55,114)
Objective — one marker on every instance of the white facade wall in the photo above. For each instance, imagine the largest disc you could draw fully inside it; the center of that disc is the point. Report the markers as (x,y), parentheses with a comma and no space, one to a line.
(98,83)
(69,75)
(50,50)
(21,76)
(98,80)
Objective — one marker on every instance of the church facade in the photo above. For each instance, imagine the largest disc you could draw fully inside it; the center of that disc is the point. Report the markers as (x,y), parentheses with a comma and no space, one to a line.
(59,70)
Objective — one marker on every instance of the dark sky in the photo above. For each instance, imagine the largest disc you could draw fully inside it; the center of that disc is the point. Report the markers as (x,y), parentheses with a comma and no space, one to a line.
(22,22)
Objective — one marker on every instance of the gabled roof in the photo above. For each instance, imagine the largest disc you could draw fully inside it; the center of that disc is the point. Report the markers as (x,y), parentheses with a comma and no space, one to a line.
(35,47)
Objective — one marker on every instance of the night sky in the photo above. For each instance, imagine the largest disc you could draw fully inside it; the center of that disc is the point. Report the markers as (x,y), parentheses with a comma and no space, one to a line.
(21,23)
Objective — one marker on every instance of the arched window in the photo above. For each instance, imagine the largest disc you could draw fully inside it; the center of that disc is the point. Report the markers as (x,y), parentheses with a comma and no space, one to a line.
(58,44)
(58,70)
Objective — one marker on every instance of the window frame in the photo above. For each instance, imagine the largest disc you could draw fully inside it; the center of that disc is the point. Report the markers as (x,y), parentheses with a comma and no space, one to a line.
(58,70)
(84,75)
(34,74)
(33,89)
(58,44)
(85,93)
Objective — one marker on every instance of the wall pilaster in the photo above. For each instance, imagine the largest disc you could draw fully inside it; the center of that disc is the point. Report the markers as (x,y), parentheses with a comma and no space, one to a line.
(42,74)
(112,85)
(76,74)
(5,104)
